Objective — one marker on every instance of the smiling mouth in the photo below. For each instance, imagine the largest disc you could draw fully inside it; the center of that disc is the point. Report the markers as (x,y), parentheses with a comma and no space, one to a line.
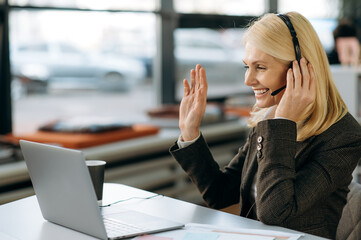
(260,91)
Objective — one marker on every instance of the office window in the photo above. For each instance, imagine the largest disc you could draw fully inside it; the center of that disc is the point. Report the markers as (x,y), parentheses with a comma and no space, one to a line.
(319,9)
(220,52)
(323,16)
(138,5)
(80,64)
(227,7)
(324,28)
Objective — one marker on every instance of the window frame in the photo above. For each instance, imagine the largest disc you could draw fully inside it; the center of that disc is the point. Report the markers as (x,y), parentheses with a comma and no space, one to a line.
(164,68)
(5,79)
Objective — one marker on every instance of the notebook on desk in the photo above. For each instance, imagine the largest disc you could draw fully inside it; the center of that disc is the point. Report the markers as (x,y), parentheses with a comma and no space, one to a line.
(66,196)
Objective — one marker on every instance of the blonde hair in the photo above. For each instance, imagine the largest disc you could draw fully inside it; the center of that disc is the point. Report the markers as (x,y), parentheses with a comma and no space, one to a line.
(272,36)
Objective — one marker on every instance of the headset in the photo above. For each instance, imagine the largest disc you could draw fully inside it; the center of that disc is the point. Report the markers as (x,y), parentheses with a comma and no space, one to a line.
(296,45)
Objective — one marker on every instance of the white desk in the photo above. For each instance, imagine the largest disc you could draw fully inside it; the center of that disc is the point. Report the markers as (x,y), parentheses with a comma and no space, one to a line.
(22,219)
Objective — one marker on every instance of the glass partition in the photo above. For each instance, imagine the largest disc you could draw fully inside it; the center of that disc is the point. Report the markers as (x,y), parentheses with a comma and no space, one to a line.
(220,52)
(323,16)
(226,7)
(136,5)
(319,9)
(80,64)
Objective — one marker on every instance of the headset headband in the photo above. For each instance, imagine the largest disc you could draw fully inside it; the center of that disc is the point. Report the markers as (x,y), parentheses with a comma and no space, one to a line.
(296,44)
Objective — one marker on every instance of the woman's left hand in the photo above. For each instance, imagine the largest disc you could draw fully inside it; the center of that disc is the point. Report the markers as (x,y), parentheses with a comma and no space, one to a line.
(300,92)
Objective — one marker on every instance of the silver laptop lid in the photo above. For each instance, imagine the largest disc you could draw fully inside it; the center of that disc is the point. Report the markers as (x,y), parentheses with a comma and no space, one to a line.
(63,187)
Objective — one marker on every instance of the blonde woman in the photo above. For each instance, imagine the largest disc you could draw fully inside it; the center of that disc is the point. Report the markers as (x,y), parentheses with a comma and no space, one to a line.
(295,168)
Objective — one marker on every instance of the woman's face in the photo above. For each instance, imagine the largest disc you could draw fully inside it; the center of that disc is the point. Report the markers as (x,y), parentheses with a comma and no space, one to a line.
(264,74)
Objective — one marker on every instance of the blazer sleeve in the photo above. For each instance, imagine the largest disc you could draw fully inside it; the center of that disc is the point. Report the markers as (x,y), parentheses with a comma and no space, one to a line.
(219,188)
(284,193)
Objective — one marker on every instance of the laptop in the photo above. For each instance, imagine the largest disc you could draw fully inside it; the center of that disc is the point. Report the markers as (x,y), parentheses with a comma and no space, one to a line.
(66,196)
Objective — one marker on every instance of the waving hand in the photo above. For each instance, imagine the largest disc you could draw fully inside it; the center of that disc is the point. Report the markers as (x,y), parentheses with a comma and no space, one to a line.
(193,104)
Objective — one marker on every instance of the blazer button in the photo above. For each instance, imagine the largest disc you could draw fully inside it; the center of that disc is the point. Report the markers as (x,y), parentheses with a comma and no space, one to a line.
(259,139)
(259,147)
(259,154)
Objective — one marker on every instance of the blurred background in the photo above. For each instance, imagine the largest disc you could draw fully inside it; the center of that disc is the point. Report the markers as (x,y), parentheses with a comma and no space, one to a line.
(120,63)
(118,59)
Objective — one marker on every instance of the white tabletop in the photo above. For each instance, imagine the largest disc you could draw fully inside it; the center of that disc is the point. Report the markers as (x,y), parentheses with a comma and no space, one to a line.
(22,219)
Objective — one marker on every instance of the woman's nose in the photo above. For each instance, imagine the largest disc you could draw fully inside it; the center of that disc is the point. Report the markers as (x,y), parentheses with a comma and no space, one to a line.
(249,79)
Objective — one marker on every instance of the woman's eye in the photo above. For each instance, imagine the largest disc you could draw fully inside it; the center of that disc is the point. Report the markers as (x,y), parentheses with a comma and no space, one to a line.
(261,67)
(246,67)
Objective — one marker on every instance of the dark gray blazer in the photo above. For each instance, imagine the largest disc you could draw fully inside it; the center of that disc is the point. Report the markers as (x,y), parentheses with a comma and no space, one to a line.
(300,185)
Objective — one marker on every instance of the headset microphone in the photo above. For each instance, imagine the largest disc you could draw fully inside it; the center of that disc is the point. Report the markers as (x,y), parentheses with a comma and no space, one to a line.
(274,93)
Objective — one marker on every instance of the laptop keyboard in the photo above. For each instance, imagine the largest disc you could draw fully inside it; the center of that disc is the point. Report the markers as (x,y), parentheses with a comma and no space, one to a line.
(117,228)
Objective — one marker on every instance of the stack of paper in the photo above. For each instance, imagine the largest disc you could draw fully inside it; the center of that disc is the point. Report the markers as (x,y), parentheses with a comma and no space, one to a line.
(193,231)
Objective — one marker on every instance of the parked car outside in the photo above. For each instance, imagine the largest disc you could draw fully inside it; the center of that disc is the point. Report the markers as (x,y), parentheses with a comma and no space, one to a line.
(65,66)
(220,52)
(225,69)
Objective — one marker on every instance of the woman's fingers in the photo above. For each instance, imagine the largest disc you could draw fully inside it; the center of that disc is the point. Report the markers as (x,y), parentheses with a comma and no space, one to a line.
(300,91)
(196,79)
(193,104)
(185,87)
(198,76)
(305,74)
(297,74)
(193,79)
(290,80)
(308,89)
(203,80)
(312,86)
(198,82)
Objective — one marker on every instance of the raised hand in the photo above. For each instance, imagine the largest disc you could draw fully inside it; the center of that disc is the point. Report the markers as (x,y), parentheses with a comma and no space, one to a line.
(193,104)
(300,92)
